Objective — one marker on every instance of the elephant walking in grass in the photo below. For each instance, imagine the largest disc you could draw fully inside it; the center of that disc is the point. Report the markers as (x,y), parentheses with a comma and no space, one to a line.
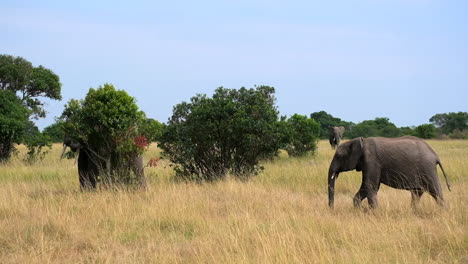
(406,163)
(335,134)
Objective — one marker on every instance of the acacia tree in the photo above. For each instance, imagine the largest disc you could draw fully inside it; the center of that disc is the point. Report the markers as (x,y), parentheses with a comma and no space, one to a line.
(106,123)
(229,133)
(13,118)
(449,122)
(29,83)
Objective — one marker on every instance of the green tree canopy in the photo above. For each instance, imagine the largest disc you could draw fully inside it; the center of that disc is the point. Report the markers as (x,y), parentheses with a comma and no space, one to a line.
(55,132)
(28,82)
(151,129)
(379,127)
(207,138)
(426,131)
(326,120)
(303,135)
(13,120)
(106,123)
(448,122)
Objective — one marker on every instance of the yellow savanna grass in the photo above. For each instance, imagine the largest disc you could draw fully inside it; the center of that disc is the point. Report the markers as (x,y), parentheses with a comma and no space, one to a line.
(280,216)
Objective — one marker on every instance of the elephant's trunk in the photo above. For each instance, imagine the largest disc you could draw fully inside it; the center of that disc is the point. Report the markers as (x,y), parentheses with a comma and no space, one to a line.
(333,172)
(331,188)
(63,151)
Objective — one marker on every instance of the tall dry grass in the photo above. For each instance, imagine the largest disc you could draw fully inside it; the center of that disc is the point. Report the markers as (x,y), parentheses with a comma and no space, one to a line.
(281,216)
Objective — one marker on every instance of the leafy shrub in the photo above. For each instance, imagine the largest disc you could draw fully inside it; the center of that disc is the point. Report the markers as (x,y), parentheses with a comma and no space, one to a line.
(229,133)
(426,131)
(303,135)
(379,127)
(408,131)
(459,134)
(55,132)
(106,123)
(448,122)
(13,118)
(38,146)
(151,129)
(326,120)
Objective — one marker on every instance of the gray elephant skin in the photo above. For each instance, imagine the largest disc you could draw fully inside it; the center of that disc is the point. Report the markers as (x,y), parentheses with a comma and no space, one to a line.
(406,163)
(89,166)
(335,134)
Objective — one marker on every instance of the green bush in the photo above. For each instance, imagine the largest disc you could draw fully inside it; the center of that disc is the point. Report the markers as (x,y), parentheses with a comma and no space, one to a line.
(106,123)
(448,122)
(303,135)
(55,132)
(426,131)
(229,133)
(379,127)
(13,120)
(151,129)
(326,120)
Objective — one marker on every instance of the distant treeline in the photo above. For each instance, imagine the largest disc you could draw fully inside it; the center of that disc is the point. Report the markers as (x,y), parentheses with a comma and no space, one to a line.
(445,125)
(248,117)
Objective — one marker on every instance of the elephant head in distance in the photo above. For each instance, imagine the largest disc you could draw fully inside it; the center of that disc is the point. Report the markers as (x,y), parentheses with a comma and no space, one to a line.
(406,163)
(335,134)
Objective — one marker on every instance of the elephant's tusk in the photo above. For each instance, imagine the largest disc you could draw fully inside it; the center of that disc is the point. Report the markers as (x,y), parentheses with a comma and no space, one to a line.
(333,176)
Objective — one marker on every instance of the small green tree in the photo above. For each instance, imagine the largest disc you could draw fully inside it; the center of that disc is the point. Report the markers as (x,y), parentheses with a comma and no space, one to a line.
(304,134)
(379,127)
(106,123)
(37,143)
(29,83)
(326,120)
(229,133)
(13,118)
(408,131)
(448,122)
(151,129)
(55,132)
(426,131)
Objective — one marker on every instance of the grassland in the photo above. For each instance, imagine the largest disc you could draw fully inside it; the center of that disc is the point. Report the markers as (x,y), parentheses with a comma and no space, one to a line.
(281,216)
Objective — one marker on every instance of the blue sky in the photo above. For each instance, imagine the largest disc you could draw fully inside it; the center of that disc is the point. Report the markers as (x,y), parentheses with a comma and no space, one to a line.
(402,59)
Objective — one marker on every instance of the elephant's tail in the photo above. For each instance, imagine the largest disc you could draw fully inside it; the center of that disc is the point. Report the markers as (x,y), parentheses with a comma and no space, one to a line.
(446,180)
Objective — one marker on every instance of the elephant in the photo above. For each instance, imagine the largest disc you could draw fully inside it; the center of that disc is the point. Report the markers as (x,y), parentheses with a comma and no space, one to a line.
(90,164)
(335,134)
(406,163)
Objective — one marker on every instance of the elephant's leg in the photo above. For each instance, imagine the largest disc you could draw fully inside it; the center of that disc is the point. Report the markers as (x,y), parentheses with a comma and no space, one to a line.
(436,193)
(415,197)
(360,195)
(433,186)
(93,180)
(371,182)
(139,171)
(85,183)
(372,199)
